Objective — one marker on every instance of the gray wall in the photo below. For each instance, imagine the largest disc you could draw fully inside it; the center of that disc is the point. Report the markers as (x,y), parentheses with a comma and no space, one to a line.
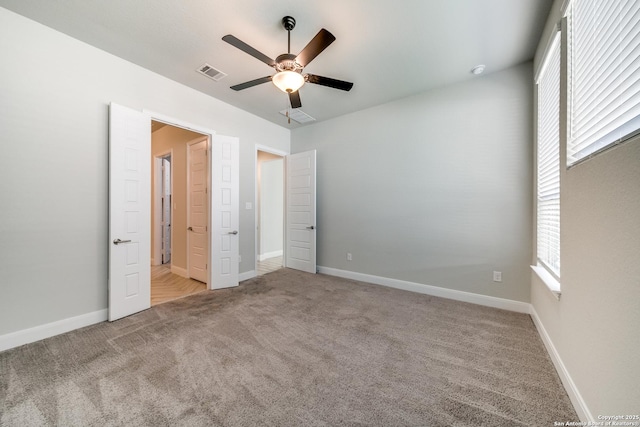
(432,189)
(54,97)
(595,326)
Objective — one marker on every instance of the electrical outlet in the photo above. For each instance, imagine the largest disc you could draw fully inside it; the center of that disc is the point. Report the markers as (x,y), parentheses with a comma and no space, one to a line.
(497,276)
(349,257)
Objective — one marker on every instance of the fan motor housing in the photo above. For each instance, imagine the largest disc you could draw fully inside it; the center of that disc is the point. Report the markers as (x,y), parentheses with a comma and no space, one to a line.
(287,62)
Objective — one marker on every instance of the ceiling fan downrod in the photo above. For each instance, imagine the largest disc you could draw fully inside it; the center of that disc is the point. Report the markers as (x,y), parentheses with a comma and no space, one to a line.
(289,24)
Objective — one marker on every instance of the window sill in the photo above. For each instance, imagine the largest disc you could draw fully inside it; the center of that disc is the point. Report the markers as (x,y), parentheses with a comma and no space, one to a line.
(552,284)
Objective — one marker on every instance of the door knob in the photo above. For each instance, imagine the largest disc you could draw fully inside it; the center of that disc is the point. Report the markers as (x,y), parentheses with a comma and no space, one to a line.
(311,227)
(118,241)
(233,232)
(190,228)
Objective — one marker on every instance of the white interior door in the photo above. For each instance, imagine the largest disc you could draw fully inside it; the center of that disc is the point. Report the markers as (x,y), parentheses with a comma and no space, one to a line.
(300,249)
(129,211)
(198,213)
(225,218)
(166,210)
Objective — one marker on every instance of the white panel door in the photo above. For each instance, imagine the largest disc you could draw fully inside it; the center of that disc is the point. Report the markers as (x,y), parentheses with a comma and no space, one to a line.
(225,214)
(129,211)
(300,249)
(166,211)
(198,214)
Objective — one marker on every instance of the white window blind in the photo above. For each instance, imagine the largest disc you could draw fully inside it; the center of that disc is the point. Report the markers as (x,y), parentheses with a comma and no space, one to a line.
(548,173)
(604,75)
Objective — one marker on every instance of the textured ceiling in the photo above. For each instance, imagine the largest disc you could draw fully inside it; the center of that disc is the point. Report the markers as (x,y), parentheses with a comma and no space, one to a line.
(389,49)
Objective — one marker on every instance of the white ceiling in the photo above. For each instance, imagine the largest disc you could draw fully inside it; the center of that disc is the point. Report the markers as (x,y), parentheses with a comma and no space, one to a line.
(390,49)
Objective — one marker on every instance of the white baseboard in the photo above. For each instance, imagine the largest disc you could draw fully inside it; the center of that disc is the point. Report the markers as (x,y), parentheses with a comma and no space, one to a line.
(267,255)
(182,272)
(502,303)
(247,275)
(572,390)
(37,333)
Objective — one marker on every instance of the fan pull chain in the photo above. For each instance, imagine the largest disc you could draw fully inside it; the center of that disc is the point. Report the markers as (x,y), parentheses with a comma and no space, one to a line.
(288,113)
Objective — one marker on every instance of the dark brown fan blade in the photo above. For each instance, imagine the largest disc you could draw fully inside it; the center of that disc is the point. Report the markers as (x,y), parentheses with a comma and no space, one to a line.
(327,81)
(294,98)
(251,83)
(233,41)
(319,43)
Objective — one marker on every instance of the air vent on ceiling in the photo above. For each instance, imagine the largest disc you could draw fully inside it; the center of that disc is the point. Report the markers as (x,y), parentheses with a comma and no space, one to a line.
(298,115)
(211,72)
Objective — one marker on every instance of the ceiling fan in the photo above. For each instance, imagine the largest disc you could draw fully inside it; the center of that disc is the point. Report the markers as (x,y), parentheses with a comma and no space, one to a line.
(288,77)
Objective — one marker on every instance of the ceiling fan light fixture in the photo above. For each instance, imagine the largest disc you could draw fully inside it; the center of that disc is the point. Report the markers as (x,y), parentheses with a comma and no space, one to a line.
(288,81)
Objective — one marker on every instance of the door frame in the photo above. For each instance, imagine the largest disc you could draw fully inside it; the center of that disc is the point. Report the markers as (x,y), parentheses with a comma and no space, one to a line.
(188,144)
(208,133)
(256,196)
(156,212)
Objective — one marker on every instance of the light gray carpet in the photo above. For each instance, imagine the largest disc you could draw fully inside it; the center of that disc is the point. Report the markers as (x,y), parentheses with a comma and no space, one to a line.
(287,349)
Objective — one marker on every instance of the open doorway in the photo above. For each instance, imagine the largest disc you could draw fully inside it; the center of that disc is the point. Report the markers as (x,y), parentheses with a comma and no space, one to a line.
(179,216)
(269,211)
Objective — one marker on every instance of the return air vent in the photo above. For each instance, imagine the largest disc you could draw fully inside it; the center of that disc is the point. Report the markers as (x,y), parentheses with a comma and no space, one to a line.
(211,72)
(297,115)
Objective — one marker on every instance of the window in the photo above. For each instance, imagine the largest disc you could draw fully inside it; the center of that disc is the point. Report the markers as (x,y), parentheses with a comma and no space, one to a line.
(548,156)
(604,75)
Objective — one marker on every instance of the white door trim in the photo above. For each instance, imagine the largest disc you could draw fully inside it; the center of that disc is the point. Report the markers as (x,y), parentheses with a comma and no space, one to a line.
(277,152)
(156,259)
(179,123)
